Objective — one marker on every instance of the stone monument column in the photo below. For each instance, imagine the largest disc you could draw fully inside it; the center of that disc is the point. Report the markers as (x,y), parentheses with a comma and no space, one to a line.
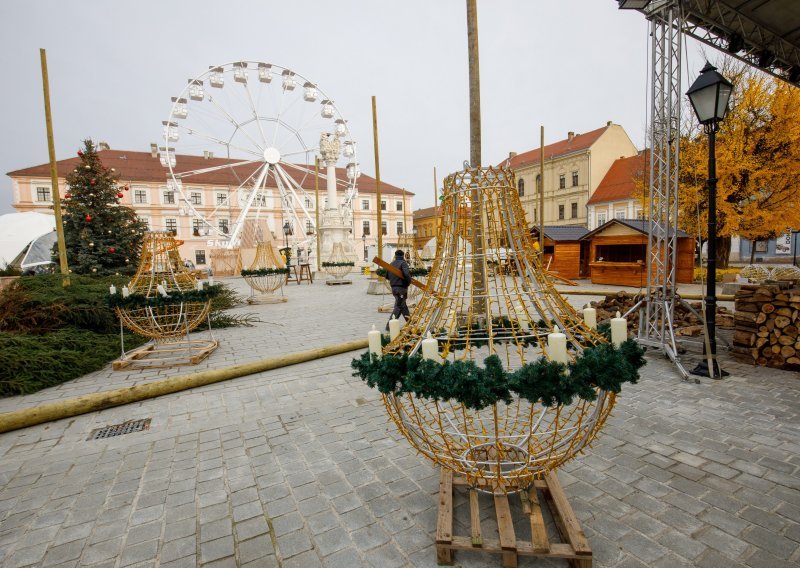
(336,223)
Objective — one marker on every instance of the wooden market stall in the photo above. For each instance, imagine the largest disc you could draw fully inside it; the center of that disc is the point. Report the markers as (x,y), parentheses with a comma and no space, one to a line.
(618,254)
(564,252)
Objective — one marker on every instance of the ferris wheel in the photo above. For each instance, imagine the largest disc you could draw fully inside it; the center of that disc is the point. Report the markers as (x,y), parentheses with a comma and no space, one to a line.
(253,130)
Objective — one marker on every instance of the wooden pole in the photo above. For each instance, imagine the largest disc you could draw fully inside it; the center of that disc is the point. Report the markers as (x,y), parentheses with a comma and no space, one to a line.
(316,211)
(479,288)
(93,402)
(435,203)
(377,174)
(541,189)
(474,86)
(405,216)
(51,149)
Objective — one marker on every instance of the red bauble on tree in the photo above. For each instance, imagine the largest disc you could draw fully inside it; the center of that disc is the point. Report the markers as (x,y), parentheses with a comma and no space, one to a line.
(125,188)
(120,195)
(80,153)
(112,249)
(67,196)
(92,182)
(88,217)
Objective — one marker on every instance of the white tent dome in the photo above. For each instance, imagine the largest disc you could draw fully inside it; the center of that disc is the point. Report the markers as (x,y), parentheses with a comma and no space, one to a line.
(19,229)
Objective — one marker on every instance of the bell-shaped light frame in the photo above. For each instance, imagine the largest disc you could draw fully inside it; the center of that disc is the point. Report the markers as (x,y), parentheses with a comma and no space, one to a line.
(709,95)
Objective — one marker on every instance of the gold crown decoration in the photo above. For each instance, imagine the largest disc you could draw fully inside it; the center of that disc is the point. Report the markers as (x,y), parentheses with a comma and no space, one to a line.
(266,274)
(488,294)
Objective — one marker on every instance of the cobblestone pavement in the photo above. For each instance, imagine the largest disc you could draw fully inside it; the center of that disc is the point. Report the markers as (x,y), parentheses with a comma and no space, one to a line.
(299,467)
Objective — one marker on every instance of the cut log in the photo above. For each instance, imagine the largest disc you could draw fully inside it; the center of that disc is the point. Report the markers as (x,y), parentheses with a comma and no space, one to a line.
(761,341)
(787,351)
(787,312)
(761,318)
(786,340)
(782,321)
(793,361)
(766,308)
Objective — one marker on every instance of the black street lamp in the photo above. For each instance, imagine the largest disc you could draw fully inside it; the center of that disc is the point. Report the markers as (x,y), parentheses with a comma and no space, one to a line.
(709,95)
(364,243)
(287,230)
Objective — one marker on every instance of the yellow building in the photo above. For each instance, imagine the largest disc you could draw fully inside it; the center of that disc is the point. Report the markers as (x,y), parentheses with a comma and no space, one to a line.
(157,204)
(573,168)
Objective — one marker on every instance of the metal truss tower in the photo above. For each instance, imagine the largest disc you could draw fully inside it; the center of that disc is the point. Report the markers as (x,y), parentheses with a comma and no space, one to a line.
(656,315)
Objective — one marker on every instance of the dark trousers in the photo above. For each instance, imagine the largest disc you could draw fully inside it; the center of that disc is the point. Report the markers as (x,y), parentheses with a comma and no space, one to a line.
(400,308)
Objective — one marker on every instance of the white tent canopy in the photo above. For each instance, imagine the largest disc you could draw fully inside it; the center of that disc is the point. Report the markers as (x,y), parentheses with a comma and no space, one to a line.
(17,230)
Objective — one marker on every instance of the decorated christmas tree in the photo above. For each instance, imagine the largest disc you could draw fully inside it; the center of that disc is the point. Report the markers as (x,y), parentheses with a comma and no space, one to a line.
(102,236)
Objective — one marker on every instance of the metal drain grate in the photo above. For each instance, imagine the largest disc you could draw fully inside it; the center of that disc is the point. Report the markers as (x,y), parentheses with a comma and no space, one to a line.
(119,429)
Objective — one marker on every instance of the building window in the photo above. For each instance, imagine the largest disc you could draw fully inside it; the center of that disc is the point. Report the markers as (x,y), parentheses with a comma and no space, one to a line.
(398,205)
(538,182)
(521,187)
(223,225)
(574,210)
(620,214)
(196,226)
(199,257)
(562,181)
(639,214)
(260,200)
(309,227)
(383,205)
(399,227)
(384,228)
(601,218)
(560,212)
(365,204)
(535,215)
(168,197)
(365,228)
(221,198)
(171,225)
(146,221)
(140,196)
(309,205)
(574,179)
(43,194)
(196,198)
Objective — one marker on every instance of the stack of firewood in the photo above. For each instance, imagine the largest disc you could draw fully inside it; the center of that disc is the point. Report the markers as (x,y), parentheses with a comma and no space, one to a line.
(767,325)
(685,322)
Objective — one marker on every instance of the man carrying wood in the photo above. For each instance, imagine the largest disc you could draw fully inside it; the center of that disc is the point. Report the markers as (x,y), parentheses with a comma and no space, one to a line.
(400,286)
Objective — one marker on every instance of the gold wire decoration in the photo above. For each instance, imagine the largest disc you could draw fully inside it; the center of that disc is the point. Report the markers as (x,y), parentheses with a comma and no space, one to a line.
(486,294)
(266,284)
(226,262)
(161,265)
(338,256)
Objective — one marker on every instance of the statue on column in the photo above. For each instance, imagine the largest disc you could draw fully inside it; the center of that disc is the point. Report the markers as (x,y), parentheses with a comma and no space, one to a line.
(336,225)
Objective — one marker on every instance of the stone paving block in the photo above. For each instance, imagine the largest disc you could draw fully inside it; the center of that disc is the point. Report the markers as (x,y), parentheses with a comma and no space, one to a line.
(332,541)
(722,542)
(777,545)
(139,553)
(255,549)
(179,548)
(293,543)
(216,549)
(347,558)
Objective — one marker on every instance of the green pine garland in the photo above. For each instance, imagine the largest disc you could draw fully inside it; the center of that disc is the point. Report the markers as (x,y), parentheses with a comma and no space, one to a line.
(265,271)
(415,272)
(335,264)
(604,366)
(134,301)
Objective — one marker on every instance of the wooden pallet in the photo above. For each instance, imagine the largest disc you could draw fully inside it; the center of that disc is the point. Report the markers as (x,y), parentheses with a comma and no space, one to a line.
(546,492)
(337,282)
(153,355)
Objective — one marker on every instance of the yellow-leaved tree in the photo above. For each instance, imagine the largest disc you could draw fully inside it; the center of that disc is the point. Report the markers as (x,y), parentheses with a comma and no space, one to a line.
(758,163)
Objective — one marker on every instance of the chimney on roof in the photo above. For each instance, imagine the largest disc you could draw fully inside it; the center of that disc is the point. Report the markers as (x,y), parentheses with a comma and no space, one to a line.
(512,155)
(207,155)
(154,150)
(609,123)
(570,135)
(103,146)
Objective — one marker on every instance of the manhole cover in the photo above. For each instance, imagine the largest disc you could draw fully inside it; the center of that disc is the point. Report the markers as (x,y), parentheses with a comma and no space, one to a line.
(119,429)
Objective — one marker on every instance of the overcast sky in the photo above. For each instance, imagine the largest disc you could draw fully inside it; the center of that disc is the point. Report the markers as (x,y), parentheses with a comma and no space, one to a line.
(566,65)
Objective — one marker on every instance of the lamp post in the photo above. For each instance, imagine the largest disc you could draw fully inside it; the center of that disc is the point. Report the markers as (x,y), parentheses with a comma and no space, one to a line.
(364,243)
(287,230)
(709,95)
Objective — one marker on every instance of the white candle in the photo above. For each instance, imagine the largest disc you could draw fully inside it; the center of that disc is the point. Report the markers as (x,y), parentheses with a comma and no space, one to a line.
(430,348)
(557,346)
(394,328)
(374,340)
(161,290)
(619,330)
(200,285)
(125,292)
(590,316)
(112,289)
(210,280)
(522,317)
